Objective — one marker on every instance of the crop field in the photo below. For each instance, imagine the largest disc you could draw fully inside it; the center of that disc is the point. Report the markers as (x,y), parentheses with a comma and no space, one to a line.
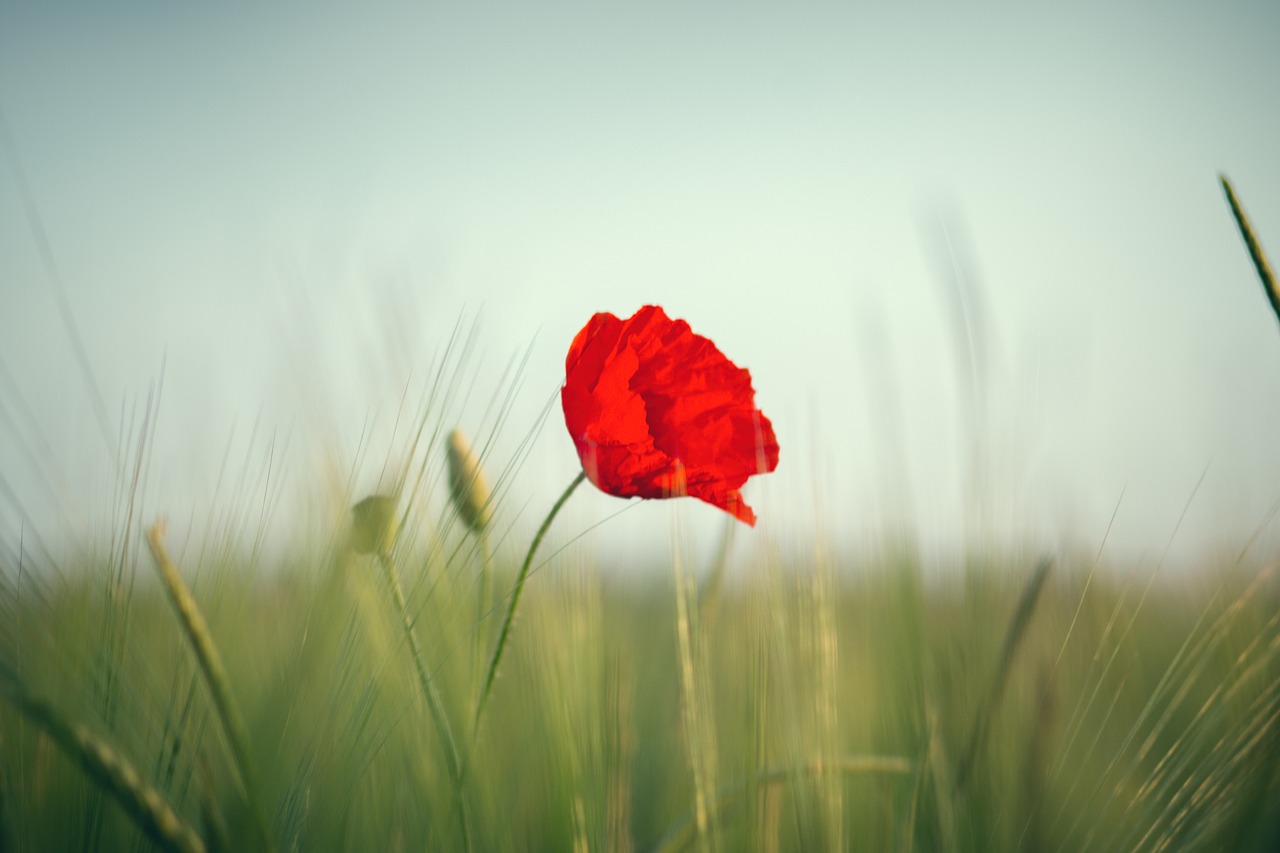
(1017,706)
(394,679)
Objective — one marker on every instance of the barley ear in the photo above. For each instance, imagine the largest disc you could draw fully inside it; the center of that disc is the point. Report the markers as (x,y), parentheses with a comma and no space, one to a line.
(215,676)
(373,525)
(467,484)
(109,770)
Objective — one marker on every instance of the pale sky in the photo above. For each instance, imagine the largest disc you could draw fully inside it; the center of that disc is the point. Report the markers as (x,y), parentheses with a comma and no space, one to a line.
(292,205)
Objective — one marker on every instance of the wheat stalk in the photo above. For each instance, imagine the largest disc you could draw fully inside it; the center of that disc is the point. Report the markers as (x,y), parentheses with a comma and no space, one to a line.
(112,773)
(215,675)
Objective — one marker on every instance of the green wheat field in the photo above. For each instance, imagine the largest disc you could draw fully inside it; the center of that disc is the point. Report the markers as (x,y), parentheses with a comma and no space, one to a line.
(189,693)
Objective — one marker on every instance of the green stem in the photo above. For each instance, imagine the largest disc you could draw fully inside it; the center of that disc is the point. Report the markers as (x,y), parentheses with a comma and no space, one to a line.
(1251,242)
(109,769)
(1012,641)
(482,606)
(434,702)
(515,600)
(215,678)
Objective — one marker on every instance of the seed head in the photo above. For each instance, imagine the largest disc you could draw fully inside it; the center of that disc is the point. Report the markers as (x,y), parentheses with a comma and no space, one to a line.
(467,485)
(373,525)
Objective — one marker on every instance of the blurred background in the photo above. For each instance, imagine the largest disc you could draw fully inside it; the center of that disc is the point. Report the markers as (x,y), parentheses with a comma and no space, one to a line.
(977,260)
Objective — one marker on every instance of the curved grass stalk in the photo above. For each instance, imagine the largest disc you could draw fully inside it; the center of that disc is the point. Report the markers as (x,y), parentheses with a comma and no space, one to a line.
(1012,641)
(1259,257)
(505,631)
(434,703)
(112,773)
(215,677)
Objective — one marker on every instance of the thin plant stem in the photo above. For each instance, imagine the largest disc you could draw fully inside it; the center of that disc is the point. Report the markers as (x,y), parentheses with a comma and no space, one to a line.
(110,770)
(215,677)
(430,693)
(696,737)
(1012,640)
(505,631)
(1259,257)
(482,604)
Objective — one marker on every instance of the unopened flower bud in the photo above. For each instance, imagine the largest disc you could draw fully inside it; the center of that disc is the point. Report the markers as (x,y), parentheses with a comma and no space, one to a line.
(373,525)
(467,485)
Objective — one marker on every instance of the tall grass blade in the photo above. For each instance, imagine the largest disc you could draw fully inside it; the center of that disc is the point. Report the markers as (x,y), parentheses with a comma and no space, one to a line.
(697,740)
(215,675)
(1012,640)
(1259,257)
(434,702)
(110,771)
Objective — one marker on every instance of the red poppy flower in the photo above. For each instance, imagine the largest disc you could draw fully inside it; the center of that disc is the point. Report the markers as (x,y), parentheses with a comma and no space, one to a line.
(656,411)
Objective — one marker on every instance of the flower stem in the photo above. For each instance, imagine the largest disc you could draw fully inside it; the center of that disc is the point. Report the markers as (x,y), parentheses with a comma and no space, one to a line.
(515,600)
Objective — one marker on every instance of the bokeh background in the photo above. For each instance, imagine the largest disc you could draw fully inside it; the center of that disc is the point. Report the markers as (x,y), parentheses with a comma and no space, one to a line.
(975,256)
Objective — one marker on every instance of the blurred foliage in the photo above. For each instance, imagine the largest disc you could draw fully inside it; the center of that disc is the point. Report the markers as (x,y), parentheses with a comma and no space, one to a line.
(1134,715)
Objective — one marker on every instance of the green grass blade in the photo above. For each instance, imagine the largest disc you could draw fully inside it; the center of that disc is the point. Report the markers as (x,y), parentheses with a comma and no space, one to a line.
(112,773)
(1012,640)
(1259,257)
(215,675)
